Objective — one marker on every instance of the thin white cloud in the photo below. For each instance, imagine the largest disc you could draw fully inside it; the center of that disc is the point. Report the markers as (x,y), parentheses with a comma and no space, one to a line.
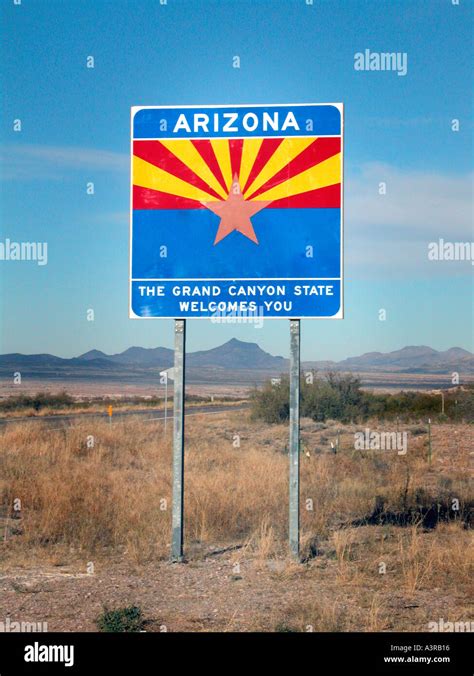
(388,235)
(399,122)
(31,162)
(417,204)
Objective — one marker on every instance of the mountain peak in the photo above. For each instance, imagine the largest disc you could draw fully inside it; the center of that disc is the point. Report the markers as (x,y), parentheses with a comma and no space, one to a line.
(415,350)
(93,354)
(236,354)
(235,342)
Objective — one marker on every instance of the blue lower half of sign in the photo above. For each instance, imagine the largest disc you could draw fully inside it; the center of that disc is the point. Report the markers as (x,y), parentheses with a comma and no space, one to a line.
(243,300)
(292,243)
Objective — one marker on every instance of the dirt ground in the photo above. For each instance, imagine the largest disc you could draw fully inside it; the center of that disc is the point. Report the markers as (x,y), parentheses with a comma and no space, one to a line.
(228,591)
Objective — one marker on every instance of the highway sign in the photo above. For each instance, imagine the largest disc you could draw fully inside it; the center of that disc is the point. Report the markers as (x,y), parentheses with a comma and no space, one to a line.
(236,211)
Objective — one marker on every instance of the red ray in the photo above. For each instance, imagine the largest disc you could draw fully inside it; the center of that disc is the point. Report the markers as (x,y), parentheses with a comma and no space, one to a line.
(235,147)
(321,198)
(144,198)
(317,152)
(156,153)
(268,147)
(206,151)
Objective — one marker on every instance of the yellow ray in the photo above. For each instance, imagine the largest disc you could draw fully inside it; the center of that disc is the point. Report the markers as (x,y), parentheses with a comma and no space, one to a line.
(288,149)
(222,152)
(321,175)
(250,150)
(146,175)
(185,151)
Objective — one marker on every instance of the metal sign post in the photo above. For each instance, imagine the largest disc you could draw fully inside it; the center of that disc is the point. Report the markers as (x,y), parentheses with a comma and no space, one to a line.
(166,401)
(178,440)
(294,497)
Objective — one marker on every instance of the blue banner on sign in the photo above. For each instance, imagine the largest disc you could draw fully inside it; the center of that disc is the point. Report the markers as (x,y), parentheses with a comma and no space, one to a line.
(242,299)
(248,121)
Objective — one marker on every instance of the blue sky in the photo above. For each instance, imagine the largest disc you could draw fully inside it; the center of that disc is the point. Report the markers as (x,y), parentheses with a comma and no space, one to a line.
(76,126)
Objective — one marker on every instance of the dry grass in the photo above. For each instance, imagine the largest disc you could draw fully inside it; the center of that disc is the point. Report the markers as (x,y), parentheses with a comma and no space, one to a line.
(100,486)
(94,486)
(111,499)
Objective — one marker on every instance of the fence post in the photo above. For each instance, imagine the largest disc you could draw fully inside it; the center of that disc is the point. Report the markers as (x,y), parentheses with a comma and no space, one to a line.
(429,440)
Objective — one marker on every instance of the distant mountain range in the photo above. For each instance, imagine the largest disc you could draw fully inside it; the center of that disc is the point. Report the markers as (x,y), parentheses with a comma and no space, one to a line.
(234,356)
(412,359)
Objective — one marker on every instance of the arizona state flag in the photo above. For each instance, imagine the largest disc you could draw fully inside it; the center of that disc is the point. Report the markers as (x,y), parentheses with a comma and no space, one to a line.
(236,210)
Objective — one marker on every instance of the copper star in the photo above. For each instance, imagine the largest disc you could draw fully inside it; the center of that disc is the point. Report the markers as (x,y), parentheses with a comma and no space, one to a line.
(235,213)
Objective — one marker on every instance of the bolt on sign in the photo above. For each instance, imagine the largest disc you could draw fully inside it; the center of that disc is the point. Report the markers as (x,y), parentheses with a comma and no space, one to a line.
(236,210)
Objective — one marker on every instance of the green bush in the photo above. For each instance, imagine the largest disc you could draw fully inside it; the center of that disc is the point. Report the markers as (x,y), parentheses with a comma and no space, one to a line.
(335,397)
(36,401)
(338,396)
(121,620)
(271,403)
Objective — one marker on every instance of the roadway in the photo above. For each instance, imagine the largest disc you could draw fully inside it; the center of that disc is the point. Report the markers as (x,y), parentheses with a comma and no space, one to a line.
(153,414)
